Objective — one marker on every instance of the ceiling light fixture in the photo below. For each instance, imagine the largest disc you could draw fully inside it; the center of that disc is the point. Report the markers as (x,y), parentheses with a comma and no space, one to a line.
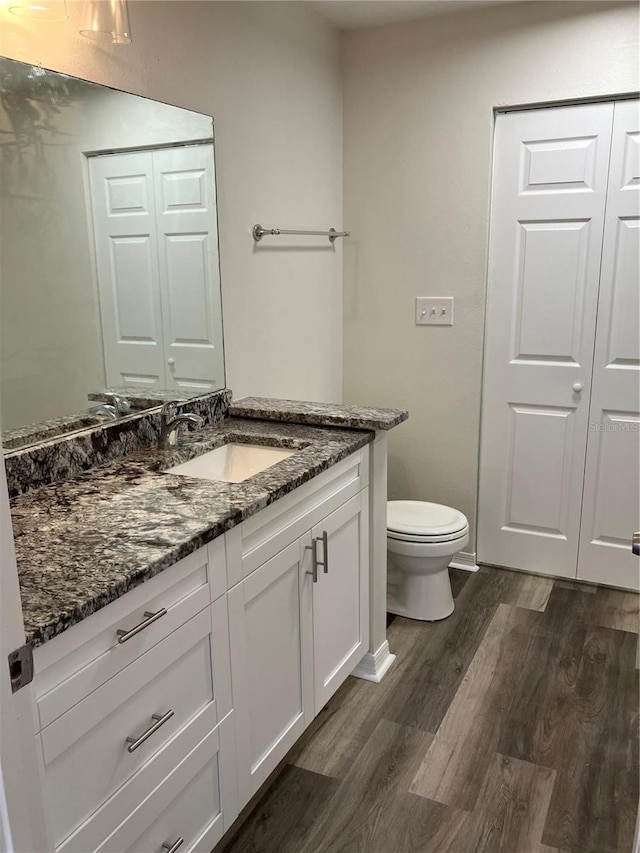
(41,10)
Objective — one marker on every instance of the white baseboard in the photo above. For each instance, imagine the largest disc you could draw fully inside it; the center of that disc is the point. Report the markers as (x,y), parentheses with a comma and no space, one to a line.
(465,560)
(375,665)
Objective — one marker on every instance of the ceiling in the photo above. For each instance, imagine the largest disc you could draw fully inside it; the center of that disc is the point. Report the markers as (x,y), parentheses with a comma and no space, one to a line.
(352,14)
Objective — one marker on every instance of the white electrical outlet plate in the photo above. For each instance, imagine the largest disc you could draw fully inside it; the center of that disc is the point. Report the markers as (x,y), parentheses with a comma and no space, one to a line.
(434,310)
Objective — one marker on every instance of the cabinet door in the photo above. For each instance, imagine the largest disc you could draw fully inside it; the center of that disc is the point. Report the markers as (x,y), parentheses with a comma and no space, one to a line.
(340,596)
(271,662)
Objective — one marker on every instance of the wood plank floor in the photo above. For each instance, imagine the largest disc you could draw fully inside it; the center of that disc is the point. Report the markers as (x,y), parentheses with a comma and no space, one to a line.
(510,727)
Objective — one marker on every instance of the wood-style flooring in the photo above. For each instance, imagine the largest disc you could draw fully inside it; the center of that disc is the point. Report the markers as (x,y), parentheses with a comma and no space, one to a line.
(510,727)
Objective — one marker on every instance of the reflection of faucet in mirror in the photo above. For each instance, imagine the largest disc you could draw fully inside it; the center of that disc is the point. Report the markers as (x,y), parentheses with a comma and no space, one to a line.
(121,405)
(117,407)
(171,422)
(104,410)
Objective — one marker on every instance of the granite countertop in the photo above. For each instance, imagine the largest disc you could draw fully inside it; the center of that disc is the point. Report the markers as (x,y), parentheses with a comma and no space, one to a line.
(331,414)
(83,543)
(32,433)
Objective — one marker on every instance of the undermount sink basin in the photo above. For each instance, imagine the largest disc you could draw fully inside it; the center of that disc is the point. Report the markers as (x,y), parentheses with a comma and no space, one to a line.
(232,463)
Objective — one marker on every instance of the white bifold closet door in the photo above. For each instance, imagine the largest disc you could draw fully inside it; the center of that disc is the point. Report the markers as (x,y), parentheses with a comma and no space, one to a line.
(611,507)
(156,240)
(551,175)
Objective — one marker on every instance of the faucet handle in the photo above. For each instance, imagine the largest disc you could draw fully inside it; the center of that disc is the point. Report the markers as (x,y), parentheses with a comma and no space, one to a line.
(119,403)
(168,408)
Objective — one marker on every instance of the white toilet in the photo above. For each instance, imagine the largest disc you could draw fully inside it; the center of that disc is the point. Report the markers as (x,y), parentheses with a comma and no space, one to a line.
(421,540)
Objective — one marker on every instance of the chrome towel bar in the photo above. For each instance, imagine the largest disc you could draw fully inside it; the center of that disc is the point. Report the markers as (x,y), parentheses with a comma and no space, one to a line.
(259,232)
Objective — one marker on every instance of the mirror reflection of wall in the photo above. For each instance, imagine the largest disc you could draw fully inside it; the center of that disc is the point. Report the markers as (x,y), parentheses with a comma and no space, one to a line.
(108,246)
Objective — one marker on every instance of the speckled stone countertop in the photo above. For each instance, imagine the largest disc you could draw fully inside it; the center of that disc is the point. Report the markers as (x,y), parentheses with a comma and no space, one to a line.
(66,456)
(323,414)
(83,543)
(31,433)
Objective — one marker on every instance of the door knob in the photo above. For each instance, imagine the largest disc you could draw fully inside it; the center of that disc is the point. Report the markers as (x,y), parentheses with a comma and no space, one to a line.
(172,361)
(577,387)
(635,544)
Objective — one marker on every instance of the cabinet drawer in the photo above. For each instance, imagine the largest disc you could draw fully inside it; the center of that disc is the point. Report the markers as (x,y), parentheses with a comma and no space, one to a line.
(266,533)
(189,797)
(85,751)
(136,796)
(86,656)
(194,814)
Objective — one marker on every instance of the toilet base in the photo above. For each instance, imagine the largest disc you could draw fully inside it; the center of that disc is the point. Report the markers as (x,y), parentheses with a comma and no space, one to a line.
(424,597)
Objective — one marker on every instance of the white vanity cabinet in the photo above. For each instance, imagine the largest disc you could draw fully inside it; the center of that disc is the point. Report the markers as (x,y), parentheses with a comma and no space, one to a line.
(296,630)
(143,743)
(133,704)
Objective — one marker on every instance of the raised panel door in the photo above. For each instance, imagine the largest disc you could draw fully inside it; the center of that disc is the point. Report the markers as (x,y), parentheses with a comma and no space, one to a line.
(186,219)
(123,207)
(611,507)
(548,206)
(340,596)
(271,663)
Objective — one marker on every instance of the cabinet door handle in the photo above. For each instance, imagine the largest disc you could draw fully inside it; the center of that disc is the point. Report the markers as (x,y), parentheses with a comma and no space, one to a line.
(171,848)
(149,619)
(325,552)
(160,720)
(314,559)
(314,555)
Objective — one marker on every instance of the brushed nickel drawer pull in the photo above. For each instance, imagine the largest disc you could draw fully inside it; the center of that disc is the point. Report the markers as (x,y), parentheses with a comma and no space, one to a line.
(171,848)
(160,720)
(149,619)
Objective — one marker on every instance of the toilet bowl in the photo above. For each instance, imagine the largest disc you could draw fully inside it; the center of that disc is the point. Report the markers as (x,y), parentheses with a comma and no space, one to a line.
(421,540)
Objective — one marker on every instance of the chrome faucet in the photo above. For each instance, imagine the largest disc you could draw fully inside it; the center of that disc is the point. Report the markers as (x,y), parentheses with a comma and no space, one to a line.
(116,407)
(171,423)
(104,409)
(120,404)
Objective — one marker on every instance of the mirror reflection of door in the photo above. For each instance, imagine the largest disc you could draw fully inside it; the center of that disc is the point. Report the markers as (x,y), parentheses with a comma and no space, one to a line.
(155,231)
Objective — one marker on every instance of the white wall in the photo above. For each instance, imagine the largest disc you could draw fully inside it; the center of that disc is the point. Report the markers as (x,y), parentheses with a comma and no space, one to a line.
(269,74)
(418,107)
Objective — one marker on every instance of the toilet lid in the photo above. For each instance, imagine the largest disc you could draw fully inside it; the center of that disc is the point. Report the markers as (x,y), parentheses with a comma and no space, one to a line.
(419,518)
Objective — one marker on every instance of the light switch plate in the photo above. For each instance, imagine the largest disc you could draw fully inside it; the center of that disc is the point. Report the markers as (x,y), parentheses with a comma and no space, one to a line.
(434,310)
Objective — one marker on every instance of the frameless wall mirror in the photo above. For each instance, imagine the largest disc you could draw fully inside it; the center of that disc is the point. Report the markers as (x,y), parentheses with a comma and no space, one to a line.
(109,270)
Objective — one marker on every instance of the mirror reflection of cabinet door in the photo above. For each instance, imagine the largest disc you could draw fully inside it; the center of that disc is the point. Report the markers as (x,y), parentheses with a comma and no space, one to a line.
(156,247)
